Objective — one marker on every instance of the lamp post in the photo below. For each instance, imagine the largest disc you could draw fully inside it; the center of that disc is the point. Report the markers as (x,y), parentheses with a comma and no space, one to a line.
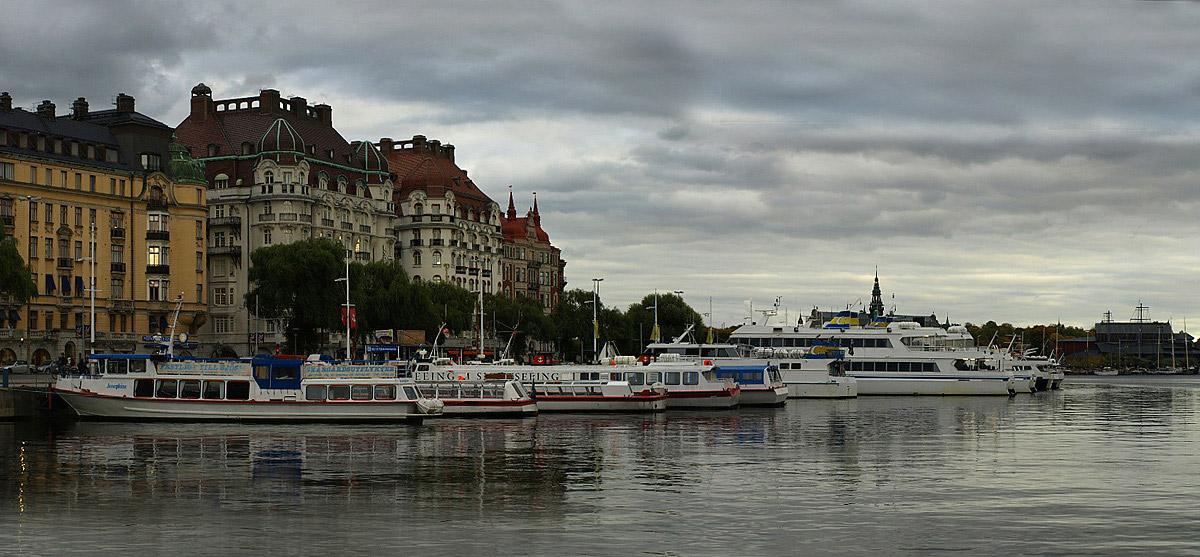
(28,308)
(478,270)
(346,279)
(91,259)
(595,316)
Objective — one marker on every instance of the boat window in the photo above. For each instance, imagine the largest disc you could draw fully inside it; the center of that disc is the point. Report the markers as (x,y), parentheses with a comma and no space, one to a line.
(691,378)
(118,366)
(237,390)
(931,366)
(708,376)
(614,377)
(785,366)
(691,352)
(262,372)
(410,393)
(212,389)
(775,376)
(672,377)
(339,392)
(385,392)
(284,373)
(519,389)
(904,366)
(137,366)
(316,392)
(360,392)
(166,388)
(777,342)
(635,378)
(189,389)
(143,387)
(653,377)
(752,377)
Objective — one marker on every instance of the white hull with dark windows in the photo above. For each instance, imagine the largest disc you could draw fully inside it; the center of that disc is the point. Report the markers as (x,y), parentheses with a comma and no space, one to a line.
(762,382)
(142,387)
(887,358)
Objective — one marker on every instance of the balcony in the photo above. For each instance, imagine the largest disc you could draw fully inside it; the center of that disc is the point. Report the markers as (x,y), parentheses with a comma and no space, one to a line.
(120,306)
(460,270)
(289,217)
(437,242)
(116,233)
(362,255)
(235,251)
(453,243)
(487,273)
(416,242)
(364,228)
(158,234)
(159,204)
(266,217)
(8,220)
(535,286)
(158,269)
(417,218)
(116,267)
(224,221)
(66,263)
(327,222)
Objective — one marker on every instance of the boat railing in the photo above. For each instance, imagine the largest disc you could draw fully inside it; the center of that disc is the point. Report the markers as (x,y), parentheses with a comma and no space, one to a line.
(463,389)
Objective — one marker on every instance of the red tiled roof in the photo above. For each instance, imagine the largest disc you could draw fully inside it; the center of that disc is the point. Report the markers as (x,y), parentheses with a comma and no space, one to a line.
(434,175)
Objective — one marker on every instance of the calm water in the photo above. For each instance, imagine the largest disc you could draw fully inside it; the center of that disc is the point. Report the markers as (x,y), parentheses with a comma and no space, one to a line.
(1105,466)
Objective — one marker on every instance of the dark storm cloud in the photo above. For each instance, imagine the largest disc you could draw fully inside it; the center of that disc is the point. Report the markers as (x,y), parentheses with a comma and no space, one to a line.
(1029,150)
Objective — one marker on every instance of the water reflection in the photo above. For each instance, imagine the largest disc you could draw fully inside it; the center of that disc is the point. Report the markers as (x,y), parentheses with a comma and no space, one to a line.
(1096,468)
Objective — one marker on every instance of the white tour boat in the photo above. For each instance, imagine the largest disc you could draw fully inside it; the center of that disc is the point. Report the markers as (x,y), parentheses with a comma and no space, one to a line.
(889,358)
(145,387)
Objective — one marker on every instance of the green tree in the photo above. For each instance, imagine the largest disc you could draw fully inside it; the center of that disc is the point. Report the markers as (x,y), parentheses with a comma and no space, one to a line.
(297,283)
(385,298)
(674,315)
(573,319)
(15,275)
(524,315)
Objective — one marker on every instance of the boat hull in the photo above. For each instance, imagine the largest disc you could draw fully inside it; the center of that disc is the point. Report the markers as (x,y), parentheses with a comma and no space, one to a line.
(95,406)
(764,396)
(486,407)
(723,398)
(605,404)
(869,385)
(834,387)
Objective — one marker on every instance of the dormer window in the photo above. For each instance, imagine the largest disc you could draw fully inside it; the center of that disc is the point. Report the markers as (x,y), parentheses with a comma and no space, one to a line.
(213,149)
(268,177)
(150,161)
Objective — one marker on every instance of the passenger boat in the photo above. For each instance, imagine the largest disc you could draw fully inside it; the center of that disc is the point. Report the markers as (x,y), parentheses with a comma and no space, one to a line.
(761,381)
(553,390)
(146,387)
(888,357)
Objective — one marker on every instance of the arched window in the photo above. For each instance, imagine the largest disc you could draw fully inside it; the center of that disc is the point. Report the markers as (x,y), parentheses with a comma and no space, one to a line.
(418,209)
(416,258)
(437,258)
(268,177)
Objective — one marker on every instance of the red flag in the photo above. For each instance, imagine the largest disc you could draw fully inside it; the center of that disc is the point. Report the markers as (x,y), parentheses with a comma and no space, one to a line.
(445,331)
(353,318)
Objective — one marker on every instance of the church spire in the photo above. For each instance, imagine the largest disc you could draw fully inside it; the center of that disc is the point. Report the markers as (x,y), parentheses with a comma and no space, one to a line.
(876,307)
(512,207)
(537,217)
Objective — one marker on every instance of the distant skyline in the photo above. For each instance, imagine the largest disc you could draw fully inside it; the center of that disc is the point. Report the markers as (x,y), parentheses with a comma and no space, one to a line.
(1014,161)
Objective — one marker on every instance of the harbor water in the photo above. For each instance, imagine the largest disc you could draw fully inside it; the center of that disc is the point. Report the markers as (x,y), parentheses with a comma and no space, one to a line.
(1104,466)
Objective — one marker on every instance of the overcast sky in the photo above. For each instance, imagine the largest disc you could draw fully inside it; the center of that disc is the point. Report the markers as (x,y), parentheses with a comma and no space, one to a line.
(1009,160)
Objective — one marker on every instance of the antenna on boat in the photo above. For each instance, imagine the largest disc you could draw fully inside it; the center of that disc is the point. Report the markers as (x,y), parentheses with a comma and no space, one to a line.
(174,322)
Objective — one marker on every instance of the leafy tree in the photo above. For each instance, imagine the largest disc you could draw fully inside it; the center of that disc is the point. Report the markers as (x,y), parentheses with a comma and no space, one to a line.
(296,282)
(15,278)
(573,319)
(385,298)
(523,314)
(674,315)
(452,304)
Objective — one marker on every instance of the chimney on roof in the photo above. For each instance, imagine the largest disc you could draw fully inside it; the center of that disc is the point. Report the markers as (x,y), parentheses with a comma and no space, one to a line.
(268,100)
(449,149)
(202,103)
(79,108)
(324,113)
(6,102)
(124,103)
(299,106)
(46,109)
(418,143)
(435,147)
(386,144)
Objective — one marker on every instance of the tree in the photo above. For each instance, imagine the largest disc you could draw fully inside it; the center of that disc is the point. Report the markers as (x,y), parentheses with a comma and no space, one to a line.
(384,298)
(674,315)
(15,275)
(523,314)
(573,320)
(297,283)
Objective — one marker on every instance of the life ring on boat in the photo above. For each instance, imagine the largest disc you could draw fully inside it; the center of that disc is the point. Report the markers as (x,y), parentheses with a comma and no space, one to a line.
(708,362)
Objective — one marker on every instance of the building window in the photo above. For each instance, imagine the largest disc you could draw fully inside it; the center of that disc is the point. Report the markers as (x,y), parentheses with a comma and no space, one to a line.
(78,250)
(158,289)
(218,239)
(221,324)
(268,177)
(199,293)
(199,230)
(7,171)
(199,262)
(33,320)
(116,219)
(117,254)
(151,161)
(416,258)
(221,181)
(62,178)
(157,255)
(33,174)
(49,248)
(78,181)
(118,288)
(92,183)
(267,236)
(437,258)
(49,177)
(112,186)
(121,192)
(157,222)
(33,247)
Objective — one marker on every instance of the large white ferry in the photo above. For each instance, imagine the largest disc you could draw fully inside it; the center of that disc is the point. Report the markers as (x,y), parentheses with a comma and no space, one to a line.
(145,387)
(888,358)
(759,380)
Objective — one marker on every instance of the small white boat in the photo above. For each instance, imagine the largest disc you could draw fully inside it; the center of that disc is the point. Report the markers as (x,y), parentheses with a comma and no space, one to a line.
(144,387)
(556,388)
(481,398)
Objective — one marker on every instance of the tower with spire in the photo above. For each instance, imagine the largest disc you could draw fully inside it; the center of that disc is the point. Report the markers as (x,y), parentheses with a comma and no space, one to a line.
(876,307)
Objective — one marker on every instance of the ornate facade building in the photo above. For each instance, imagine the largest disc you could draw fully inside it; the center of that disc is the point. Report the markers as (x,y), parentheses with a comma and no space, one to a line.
(99,203)
(279,172)
(532,266)
(449,230)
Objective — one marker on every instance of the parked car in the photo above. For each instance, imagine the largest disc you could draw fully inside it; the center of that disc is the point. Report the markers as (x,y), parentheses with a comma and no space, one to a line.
(19,366)
(48,367)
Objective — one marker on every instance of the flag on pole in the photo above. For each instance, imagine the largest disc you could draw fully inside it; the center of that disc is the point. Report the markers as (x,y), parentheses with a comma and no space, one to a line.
(710,336)
(655,334)
(596,326)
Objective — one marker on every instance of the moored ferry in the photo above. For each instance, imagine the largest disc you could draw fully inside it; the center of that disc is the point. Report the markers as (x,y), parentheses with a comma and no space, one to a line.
(145,387)
(889,357)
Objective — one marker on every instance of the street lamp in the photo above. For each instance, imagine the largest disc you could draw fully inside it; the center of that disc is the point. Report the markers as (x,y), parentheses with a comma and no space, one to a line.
(28,308)
(478,269)
(346,279)
(595,318)
(92,289)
